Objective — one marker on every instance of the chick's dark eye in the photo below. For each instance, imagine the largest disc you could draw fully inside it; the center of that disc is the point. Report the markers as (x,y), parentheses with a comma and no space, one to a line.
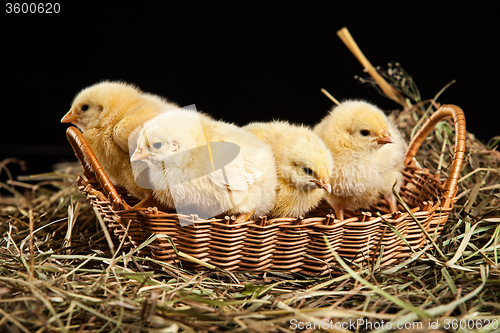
(364,132)
(157,145)
(308,171)
(85,107)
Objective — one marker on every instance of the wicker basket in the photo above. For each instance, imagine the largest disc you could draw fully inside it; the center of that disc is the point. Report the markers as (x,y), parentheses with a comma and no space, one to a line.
(284,243)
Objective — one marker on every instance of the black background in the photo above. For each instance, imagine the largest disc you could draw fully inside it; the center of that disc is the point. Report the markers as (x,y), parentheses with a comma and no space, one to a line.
(239,61)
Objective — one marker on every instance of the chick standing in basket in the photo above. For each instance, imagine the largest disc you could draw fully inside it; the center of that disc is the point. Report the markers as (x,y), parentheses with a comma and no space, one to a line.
(368,151)
(303,165)
(107,113)
(206,167)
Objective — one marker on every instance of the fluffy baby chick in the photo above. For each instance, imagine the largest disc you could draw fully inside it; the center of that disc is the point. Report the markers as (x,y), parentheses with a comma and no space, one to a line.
(303,165)
(368,152)
(206,167)
(107,113)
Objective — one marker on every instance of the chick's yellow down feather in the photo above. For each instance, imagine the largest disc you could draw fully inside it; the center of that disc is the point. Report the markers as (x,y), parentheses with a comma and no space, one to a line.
(368,151)
(303,165)
(107,113)
(198,165)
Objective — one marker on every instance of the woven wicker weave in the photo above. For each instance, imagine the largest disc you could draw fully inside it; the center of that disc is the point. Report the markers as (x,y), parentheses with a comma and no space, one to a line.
(284,243)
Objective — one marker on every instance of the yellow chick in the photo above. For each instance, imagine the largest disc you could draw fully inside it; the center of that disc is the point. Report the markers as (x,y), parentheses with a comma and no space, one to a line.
(303,165)
(107,113)
(206,167)
(369,153)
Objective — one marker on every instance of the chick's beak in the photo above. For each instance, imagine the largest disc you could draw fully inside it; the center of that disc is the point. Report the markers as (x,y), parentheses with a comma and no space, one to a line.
(139,155)
(70,117)
(384,138)
(324,183)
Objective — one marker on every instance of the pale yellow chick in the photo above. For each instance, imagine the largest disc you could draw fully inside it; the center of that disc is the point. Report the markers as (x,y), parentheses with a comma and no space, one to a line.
(107,113)
(369,153)
(303,165)
(206,167)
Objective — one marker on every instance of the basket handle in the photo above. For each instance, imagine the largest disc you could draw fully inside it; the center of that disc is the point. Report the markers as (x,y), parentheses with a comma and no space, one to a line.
(91,165)
(444,111)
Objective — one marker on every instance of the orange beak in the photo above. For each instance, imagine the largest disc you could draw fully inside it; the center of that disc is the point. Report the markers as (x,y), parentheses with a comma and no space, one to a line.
(384,138)
(138,155)
(324,183)
(70,117)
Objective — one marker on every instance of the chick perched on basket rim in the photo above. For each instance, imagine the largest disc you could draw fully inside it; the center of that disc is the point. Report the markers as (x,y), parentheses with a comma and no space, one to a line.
(107,113)
(303,165)
(206,167)
(369,153)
